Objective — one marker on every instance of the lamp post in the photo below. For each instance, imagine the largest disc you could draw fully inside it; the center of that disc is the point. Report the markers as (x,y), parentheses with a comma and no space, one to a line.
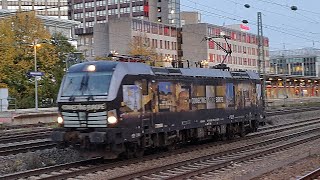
(35,45)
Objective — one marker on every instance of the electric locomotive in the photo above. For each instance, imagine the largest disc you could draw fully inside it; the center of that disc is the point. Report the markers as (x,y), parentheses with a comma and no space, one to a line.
(112,108)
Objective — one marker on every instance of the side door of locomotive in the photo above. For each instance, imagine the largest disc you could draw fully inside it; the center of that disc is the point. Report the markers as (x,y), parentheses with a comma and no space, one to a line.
(147,99)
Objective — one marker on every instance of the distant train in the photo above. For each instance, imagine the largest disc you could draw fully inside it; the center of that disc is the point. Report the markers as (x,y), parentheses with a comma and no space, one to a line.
(120,108)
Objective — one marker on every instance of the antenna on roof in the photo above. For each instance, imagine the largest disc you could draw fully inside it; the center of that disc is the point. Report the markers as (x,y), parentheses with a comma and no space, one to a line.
(228,51)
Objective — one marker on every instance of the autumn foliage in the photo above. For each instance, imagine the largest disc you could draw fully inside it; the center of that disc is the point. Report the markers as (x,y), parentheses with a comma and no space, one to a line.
(18,34)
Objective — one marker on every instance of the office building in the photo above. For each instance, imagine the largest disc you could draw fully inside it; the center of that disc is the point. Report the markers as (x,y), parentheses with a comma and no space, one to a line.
(117,34)
(91,12)
(301,62)
(52,8)
(244,46)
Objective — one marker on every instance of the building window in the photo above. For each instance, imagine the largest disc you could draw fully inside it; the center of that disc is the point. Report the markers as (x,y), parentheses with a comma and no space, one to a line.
(173,32)
(211,57)
(154,29)
(166,30)
(111,2)
(211,44)
(147,27)
(160,44)
(160,29)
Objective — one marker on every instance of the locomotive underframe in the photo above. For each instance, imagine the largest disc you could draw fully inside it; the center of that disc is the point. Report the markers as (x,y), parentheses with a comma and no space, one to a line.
(151,131)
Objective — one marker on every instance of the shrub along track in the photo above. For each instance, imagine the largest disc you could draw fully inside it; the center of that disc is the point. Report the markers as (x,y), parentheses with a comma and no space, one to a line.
(85,167)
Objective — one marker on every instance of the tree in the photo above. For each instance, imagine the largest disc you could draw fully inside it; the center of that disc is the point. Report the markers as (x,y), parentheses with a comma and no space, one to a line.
(140,46)
(18,34)
(54,73)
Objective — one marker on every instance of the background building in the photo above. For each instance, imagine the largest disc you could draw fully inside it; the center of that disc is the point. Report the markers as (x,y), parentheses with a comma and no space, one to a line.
(190,17)
(91,12)
(52,24)
(54,8)
(117,34)
(303,62)
(244,46)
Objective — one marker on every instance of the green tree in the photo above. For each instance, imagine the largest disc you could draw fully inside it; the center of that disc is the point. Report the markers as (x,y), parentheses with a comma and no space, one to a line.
(140,46)
(18,35)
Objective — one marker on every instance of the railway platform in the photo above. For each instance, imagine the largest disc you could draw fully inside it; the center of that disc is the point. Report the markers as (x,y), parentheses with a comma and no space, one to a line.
(29,116)
(276,102)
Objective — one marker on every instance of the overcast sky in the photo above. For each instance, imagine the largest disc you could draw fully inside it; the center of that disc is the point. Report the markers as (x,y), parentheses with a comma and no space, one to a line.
(286,29)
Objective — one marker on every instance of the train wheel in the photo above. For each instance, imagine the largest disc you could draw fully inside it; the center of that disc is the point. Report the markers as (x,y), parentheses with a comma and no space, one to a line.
(139,152)
(242,130)
(230,132)
(129,152)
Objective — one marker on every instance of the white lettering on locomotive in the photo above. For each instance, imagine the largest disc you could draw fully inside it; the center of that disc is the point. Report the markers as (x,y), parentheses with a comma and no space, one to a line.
(199,100)
(87,107)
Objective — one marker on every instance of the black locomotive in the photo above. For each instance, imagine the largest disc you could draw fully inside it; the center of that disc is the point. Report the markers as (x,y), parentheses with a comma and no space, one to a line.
(110,108)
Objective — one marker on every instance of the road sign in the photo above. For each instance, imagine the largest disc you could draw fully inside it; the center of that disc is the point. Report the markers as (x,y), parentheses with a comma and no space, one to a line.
(36,74)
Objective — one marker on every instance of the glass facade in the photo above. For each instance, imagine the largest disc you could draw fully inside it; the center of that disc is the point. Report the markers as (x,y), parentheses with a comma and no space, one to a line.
(303,66)
(174,12)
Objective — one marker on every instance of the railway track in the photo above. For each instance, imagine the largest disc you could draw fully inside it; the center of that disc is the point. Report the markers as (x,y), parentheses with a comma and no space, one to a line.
(303,122)
(291,110)
(73,169)
(205,167)
(24,136)
(24,126)
(26,147)
(311,176)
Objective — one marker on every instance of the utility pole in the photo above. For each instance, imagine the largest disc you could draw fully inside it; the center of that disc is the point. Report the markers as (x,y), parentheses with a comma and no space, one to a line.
(36,77)
(261,60)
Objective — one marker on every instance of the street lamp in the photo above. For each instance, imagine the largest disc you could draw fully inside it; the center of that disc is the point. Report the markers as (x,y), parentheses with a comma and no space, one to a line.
(35,45)
(204,63)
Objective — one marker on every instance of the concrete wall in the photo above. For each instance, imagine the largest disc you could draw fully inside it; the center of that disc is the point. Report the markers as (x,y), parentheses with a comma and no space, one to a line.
(34,118)
(193,49)
(101,37)
(190,17)
(120,35)
(292,101)
(29,116)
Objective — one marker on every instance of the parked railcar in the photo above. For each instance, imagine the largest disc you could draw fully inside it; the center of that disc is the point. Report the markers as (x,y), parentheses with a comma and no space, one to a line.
(111,108)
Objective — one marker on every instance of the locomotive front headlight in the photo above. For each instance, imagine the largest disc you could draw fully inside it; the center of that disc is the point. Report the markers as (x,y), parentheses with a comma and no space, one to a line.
(112,120)
(60,120)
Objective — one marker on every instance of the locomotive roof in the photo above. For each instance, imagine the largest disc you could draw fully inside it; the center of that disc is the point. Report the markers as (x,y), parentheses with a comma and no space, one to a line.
(132,68)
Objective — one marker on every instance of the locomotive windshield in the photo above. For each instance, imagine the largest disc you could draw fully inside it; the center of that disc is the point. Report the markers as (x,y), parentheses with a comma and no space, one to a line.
(91,84)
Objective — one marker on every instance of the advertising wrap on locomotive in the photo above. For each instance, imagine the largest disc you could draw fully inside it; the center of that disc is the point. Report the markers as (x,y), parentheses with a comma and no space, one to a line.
(111,108)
